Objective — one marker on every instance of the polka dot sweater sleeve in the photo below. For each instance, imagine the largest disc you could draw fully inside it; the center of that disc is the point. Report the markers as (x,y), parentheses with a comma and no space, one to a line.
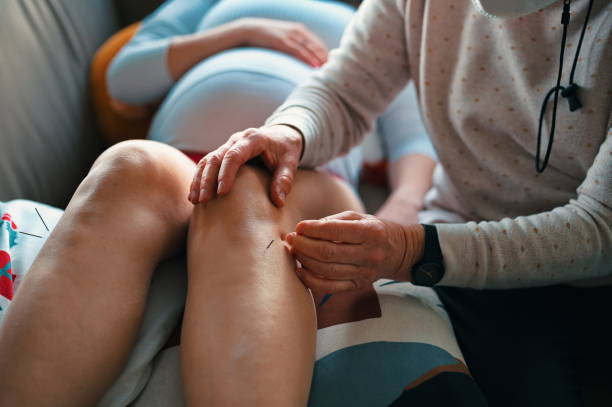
(338,106)
(569,243)
(481,82)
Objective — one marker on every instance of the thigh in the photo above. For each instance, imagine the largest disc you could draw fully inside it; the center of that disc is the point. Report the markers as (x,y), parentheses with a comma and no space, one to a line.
(348,166)
(316,194)
(520,345)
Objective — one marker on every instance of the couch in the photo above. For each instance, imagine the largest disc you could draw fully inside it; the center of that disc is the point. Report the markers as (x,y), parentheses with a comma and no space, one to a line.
(49,136)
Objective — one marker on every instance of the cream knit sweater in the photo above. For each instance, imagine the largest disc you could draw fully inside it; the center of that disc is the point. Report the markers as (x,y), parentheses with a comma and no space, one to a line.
(481,82)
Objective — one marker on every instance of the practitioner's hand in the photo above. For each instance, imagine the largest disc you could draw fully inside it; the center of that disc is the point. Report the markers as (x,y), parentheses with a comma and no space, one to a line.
(286,36)
(280,147)
(350,250)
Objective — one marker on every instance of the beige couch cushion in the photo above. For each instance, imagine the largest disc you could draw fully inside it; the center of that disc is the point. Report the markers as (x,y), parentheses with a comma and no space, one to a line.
(48,137)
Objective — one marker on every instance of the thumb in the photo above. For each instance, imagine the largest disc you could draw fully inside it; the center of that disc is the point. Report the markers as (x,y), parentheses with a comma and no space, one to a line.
(346,215)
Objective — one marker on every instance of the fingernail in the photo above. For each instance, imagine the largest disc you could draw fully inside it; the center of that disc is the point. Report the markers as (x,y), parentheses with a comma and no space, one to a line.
(289,238)
(282,196)
(220,187)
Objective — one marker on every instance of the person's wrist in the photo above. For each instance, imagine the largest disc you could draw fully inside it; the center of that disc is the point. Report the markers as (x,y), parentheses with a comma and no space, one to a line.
(408,244)
(416,243)
(238,32)
(244,30)
(225,36)
(413,249)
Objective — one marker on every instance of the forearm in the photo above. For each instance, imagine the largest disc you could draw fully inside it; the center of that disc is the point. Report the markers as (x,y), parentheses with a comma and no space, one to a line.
(170,59)
(410,178)
(567,244)
(338,106)
(187,50)
(139,75)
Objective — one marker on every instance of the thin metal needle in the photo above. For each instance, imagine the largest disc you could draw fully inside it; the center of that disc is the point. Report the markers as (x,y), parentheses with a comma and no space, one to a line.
(29,234)
(41,219)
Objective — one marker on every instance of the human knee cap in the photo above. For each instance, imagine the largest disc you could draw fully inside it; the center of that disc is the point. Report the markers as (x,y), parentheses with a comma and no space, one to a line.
(142,168)
(248,198)
(128,161)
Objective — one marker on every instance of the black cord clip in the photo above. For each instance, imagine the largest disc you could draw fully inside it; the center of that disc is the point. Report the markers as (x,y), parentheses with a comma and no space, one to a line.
(565,16)
(571,94)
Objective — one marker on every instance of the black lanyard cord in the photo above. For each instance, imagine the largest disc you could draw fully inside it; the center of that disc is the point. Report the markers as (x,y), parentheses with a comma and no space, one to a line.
(569,92)
(584,28)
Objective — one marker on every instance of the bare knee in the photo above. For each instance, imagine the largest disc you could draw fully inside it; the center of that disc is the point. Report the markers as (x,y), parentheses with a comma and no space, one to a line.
(246,207)
(251,195)
(314,195)
(142,164)
(140,170)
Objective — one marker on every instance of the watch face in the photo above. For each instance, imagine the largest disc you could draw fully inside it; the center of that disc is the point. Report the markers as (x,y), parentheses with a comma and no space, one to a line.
(427,274)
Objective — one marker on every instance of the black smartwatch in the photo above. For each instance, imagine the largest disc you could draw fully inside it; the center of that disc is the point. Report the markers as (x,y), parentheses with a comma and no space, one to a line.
(430,270)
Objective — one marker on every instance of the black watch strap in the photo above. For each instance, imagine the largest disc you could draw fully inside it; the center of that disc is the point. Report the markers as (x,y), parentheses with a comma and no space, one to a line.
(430,270)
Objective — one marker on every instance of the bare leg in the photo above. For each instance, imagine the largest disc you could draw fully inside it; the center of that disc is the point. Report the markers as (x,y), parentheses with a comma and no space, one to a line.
(249,328)
(76,314)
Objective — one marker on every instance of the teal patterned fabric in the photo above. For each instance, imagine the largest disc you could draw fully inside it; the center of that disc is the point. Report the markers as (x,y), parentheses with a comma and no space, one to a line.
(24,226)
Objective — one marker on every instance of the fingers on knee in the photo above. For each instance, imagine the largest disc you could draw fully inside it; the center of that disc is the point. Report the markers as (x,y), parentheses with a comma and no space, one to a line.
(249,198)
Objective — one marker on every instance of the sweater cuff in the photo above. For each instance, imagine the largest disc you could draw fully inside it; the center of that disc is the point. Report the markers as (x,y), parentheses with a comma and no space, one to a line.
(300,119)
(459,250)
